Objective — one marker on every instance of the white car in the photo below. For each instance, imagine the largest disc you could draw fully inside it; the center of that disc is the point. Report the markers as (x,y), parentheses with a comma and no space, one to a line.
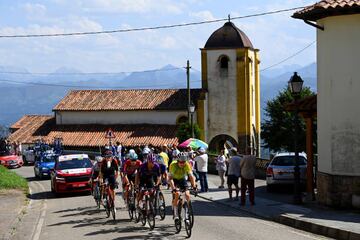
(280,171)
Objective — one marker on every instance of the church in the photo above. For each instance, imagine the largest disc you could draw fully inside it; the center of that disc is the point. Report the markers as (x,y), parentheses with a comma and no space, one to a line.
(227,106)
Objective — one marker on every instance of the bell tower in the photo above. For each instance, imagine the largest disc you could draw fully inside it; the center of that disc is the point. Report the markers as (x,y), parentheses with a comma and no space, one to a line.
(230,108)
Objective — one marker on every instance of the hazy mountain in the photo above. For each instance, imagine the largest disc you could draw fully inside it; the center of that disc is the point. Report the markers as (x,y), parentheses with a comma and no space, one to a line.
(19,99)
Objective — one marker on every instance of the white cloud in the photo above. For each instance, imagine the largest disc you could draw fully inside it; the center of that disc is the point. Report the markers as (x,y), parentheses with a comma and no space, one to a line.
(34,9)
(203,15)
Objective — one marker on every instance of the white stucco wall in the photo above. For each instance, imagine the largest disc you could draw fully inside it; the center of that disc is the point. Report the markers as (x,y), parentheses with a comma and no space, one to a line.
(222,101)
(119,117)
(338,52)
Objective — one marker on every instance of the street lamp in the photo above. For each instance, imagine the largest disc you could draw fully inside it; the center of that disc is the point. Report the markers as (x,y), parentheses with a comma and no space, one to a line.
(295,87)
(191,111)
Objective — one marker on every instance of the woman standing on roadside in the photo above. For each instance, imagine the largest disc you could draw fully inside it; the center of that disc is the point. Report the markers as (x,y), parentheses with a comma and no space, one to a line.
(221,167)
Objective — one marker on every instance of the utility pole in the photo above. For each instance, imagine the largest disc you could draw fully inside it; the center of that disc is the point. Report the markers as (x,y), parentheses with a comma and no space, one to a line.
(188,88)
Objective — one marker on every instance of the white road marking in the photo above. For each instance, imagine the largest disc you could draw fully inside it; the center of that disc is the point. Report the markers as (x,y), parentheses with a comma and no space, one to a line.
(36,234)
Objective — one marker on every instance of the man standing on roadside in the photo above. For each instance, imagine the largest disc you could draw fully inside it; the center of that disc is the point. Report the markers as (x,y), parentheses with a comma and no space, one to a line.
(233,173)
(248,166)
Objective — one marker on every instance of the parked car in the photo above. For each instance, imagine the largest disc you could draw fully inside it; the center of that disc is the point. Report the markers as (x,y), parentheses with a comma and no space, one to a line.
(28,156)
(44,166)
(10,160)
(71,174)
(280,171)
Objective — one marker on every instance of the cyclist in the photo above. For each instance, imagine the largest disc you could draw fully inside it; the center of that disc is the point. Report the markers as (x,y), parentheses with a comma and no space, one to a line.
(95,170)
(109,171)
(130,169)
(179,171)
(146,174)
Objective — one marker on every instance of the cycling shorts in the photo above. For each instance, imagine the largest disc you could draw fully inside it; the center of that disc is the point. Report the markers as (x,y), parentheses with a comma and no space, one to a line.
(181,184)
(147,182)
(111,180)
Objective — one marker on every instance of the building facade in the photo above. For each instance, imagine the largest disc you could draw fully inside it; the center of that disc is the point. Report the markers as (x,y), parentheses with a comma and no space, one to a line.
(338,112)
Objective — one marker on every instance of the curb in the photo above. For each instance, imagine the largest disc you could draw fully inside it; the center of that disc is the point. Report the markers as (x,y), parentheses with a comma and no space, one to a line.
(297,223)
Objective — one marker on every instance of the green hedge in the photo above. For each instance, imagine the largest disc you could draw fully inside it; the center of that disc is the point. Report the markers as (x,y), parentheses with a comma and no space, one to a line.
(10,180)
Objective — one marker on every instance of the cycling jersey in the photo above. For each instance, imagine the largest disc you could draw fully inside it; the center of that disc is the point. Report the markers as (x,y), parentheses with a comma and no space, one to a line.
(177,172)
(130,168)
(147,175)
(95,170)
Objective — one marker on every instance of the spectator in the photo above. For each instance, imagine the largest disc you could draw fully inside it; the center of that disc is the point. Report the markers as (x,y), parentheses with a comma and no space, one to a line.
(248,166)
(221,167)
(164,155)
(202,167)
(118,150)
(233,173)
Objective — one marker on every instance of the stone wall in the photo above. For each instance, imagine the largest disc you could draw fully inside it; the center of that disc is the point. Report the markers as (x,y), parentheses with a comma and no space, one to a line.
(337,191)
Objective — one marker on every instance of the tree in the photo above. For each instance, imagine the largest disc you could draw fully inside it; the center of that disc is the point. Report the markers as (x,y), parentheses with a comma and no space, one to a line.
(278,128)
(184,131)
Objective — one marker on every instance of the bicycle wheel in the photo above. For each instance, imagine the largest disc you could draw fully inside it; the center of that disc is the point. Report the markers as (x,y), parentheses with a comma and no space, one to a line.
(151,214)
(112,208)
(107,205)
(137,215)
(190,213)
(161,206)
(187,221)
(97,196)
(178,221)
(143,215)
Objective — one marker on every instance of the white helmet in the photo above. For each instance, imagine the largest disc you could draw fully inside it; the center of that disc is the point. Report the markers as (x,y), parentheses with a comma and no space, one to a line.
(146,150)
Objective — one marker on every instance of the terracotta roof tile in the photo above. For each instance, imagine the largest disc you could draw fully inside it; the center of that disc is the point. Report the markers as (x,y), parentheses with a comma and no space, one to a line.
(31,128)
(326,8)
(121,100)
(92,135)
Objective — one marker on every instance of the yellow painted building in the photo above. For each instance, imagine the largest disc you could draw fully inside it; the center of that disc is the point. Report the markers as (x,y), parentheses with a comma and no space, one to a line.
(229,109)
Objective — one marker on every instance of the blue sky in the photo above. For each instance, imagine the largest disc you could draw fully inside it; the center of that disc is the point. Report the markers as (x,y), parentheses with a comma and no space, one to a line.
(277,36)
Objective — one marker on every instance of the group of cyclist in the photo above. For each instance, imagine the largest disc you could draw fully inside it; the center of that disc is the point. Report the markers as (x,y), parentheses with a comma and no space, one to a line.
(153,170)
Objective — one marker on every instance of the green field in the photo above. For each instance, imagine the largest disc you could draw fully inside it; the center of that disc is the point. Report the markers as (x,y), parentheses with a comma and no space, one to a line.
(10,180)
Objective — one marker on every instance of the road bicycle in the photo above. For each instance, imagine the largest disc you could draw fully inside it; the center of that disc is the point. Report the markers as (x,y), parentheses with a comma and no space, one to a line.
(185,212)
(145,212)
(109,204)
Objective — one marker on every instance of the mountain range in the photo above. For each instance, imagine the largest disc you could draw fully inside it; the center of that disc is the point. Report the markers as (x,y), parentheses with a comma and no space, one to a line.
(41,92)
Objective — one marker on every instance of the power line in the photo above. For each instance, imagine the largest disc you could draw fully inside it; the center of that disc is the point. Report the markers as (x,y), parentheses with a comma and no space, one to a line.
(147,28)
(284,60)
(91,73)
(84,86)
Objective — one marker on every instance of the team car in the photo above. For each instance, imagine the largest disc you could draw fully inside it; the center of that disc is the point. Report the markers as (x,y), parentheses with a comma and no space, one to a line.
(44,165)
(71,174)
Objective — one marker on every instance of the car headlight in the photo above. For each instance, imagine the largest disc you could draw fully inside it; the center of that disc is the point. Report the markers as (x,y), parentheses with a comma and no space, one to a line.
(60,179)
(44,168)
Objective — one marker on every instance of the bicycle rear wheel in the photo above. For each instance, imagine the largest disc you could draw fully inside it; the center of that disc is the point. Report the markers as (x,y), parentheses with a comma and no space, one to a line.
(161,206)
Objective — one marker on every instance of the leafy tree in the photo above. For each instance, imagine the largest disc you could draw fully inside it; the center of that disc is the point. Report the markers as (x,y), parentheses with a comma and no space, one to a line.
(184,131)
(278,129)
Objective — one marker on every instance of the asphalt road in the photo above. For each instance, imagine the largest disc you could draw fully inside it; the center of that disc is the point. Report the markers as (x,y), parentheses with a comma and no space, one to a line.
(76,217)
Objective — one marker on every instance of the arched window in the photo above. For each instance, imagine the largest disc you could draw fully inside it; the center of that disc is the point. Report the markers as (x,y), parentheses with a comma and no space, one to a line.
(224,62)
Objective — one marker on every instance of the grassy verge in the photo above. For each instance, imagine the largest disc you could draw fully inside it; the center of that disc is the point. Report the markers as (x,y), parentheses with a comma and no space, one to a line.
(10,180)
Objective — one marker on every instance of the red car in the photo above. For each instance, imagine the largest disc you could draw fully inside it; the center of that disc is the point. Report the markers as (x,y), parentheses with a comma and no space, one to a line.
(71,174)
(10,160)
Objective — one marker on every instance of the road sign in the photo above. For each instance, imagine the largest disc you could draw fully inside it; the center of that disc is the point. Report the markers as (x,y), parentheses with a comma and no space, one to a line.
(110,134)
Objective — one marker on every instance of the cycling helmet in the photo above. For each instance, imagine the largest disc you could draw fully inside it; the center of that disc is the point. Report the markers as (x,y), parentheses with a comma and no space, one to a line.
(175,153)
(108,153)
(183,156)
(131,151)
(98,159)
(151,158)
(133,156)
(146,151)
